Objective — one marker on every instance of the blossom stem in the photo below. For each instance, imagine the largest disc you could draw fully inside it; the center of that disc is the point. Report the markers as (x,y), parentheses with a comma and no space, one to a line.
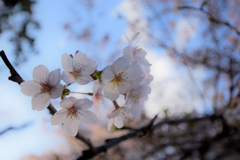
(89,94)
(115,104)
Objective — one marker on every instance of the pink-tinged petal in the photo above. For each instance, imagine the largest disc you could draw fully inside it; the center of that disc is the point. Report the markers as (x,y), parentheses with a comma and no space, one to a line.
(30,88)
(40,73)
(147,80)
(68,102)
(56,91)
(90,67)
(118,121)
(144,90)
(125,86)
(67,62)
(110,91)
(108,74)
(127,52)
(83,103)
(133,72)
(54,77)
(82,80)
(67,77)
(59,117)
(96,104)
(95,87)
(110,123)
(121,64)
(87,116)
(40,101)
(114,113)
(80,58)
(71,125)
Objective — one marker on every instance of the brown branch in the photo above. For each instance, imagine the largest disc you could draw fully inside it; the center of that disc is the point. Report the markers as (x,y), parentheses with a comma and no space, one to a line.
(87,154)
(212,18)
(15,77)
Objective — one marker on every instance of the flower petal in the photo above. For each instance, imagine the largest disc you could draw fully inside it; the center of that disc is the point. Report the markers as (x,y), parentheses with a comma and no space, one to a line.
(40,101)
(127,52)
(133,72)
(118,121)
(125,86)
(144,90)
(114,113)
(80,58)
(67,62)
(67,77)
(54,77)
(87,116)
(40,73)
(56,92)
(83,103)
(68,102)
(121,64)
(30,88)
(71,125)
(108,74)
(110,123)
(90,67)
(110,91)
(82,80)
(59,117)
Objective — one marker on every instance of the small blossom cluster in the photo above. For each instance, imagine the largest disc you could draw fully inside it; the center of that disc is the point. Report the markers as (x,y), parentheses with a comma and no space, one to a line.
(129,75)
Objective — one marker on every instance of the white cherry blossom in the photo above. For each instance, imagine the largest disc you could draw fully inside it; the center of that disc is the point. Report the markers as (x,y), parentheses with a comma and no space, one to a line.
(77,69)
(116,118)
(118,78)
(43,87)
(135,99)
(74,111)
(136,55)
(97,97)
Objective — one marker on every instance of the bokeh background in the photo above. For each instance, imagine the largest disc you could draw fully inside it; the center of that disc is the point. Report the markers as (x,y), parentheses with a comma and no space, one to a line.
(193,46)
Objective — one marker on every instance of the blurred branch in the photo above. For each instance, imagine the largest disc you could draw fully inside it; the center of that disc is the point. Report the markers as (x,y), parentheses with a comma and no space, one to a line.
(15,128)
(211,17)
(87,154)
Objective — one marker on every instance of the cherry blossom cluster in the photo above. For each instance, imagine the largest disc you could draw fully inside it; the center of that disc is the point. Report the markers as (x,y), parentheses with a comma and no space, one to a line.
(129,76)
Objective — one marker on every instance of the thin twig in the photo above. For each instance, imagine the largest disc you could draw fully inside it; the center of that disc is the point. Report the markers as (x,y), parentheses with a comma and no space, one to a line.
(212,18)
(14,128)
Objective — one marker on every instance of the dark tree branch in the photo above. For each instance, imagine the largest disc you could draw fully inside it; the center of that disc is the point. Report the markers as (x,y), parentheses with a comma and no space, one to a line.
(87,154)
(212,18)
(14,128)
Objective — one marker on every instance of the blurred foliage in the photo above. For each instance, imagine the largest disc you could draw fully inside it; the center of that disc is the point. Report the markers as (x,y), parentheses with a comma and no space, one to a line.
(16,20)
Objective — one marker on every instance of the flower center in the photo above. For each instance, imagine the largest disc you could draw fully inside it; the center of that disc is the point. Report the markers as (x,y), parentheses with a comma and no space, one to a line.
(45,87)
(119,78)
(76,72)
(135,96)
(73,113)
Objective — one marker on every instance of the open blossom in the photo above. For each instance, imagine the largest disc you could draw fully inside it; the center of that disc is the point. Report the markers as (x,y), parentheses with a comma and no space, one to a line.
(118,78)
(116,118)
(77,69)
(136,55)
(97,97)
(43,87)
(135,99)
(74,111)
